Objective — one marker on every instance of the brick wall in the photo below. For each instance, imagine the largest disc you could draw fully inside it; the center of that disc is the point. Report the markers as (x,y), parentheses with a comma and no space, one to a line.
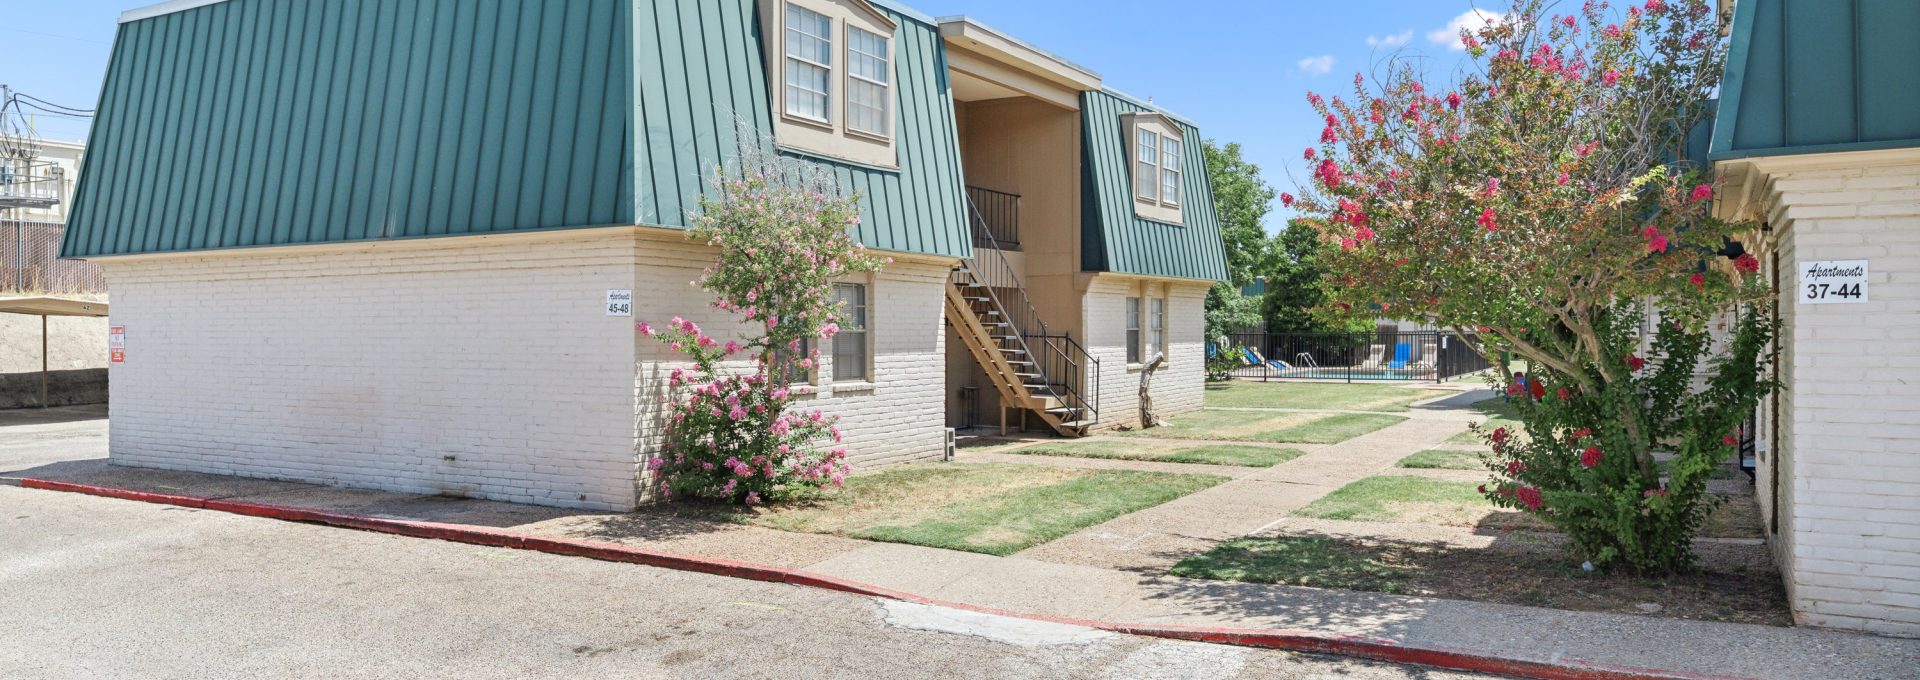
(899,416)
(481,367)
(1180,384)
(1849,431)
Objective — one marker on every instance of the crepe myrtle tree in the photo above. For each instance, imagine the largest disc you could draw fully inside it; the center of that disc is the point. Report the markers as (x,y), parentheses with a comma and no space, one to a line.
(735,435)
(1539,207)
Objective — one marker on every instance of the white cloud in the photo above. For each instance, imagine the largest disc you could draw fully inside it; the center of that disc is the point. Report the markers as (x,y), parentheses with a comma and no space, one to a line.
(1317,66)
(1394,40)
(1470,20)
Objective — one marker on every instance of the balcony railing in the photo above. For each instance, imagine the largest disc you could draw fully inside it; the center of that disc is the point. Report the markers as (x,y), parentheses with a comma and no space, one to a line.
(999,215)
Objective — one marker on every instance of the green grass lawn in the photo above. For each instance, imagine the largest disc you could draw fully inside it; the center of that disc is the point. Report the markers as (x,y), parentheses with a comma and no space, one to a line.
(1208,454)
(1297,561)
(1417,500)
(1336,396)
(1424,500)
(1284,427)
(997,509)
(1444,459)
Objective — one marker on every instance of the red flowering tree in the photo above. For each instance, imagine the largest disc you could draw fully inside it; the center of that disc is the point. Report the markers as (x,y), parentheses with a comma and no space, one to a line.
(1540,204)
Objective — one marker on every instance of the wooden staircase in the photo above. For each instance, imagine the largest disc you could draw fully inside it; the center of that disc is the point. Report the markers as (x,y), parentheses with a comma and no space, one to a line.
(1045,374)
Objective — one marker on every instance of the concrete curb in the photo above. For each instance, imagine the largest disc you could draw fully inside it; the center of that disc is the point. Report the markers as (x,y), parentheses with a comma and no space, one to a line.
(1379,649)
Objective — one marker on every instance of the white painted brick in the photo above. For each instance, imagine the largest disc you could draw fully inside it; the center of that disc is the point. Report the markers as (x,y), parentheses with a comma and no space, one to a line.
(1849,444)
(1180,385)
(369,365)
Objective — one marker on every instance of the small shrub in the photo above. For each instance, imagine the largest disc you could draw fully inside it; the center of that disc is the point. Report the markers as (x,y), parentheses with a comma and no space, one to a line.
(733,436)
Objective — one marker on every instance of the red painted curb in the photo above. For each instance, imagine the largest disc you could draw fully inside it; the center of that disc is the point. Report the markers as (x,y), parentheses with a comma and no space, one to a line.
(1378,649)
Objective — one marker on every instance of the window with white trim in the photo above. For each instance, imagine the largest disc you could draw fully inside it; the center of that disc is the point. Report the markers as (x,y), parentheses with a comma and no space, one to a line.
(1157,325)
(1146,173)
(850,360)
(1133,330)
(809,64)
(1169,171)
(831,70)
(869,93)
(1157,152)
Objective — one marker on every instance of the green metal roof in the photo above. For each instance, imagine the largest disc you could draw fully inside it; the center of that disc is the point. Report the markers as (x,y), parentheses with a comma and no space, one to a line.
(255,122)
(261,122)
(711,48)
(1115,239)
(1813,76)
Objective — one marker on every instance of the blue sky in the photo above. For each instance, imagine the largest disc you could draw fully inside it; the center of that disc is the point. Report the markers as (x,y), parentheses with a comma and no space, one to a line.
(1239,68)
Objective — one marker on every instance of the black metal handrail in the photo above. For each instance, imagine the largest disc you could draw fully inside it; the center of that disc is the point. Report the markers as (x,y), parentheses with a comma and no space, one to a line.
(1063,364)
(1000,212)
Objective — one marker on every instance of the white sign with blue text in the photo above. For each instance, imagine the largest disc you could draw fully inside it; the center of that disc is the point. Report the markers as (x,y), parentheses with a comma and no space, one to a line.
(1828,282)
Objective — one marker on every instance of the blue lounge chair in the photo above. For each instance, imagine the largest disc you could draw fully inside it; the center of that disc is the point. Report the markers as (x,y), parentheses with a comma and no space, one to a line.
(1401,354)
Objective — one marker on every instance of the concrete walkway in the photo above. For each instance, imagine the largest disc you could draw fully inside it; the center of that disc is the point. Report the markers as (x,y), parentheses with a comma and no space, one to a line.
(1153,539)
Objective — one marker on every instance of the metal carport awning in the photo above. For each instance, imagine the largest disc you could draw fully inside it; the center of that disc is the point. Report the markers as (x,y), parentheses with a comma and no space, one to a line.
(44,307)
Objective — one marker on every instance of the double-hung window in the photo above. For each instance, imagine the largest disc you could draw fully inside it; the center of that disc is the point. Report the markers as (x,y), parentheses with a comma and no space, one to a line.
(1157,325)
(1158,150)
(868,90)
(850,344)
(832,73)
(809,65)
(1133,330)
(1146,175)
(1170,171)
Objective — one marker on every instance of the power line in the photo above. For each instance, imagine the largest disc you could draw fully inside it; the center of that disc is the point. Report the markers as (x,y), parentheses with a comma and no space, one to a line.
(45,105)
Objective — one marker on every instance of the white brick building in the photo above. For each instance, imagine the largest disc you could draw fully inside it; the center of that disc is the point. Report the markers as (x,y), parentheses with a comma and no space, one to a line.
(1834,185)
(399,280)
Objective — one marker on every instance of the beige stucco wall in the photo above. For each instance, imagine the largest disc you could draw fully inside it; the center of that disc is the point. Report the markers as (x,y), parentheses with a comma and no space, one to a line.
(1031,148)
(475,366)
(1846,481)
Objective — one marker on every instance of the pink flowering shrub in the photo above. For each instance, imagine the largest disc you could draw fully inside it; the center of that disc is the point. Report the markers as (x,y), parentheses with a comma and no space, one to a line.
(1539,206)
(735,435)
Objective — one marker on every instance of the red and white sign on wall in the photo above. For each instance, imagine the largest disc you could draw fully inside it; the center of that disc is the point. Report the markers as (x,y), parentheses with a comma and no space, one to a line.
(117,344)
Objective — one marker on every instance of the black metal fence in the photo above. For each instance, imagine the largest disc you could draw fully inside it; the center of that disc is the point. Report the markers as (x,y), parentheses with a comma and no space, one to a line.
(1434,356)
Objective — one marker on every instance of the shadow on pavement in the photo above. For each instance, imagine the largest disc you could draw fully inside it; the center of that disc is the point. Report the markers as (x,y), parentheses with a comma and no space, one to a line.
(53,415)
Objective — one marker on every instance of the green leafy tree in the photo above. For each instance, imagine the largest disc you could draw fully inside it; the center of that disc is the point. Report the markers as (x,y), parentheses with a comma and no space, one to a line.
(1229,311)
(1540,204)
(1294,290)
(1243,200)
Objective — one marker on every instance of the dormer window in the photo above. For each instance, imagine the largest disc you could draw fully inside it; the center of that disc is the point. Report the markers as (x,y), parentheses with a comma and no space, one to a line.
(1159,154)
(1146,174)
(809,64)
(834,76)
(868,94)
